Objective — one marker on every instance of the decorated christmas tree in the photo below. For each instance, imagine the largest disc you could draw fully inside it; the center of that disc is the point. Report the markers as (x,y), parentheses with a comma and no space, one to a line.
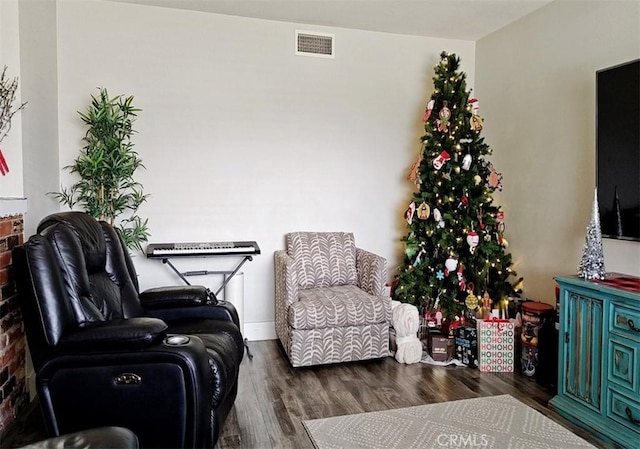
(454,259)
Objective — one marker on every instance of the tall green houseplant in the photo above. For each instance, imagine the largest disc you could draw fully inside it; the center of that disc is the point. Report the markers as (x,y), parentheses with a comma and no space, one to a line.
(106,165)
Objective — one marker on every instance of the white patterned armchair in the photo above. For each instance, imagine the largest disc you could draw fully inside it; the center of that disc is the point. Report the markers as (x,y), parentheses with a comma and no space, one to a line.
(329,300)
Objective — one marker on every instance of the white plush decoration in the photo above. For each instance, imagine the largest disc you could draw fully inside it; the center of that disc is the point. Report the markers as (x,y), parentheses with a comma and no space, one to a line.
(406,322)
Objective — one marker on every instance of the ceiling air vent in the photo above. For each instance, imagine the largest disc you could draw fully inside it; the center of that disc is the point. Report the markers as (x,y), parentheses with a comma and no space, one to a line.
(312,43)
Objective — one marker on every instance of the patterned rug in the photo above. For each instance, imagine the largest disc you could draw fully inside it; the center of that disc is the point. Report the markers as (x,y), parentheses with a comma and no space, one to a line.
(498,422)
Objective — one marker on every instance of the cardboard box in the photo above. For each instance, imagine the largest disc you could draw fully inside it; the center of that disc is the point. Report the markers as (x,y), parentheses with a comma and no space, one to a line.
(439,344)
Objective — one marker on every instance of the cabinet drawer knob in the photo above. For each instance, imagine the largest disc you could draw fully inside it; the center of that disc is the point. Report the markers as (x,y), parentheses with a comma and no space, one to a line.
(629,413)
(632,325)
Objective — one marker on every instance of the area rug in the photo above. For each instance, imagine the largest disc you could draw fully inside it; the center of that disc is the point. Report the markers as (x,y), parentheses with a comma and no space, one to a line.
(498,422)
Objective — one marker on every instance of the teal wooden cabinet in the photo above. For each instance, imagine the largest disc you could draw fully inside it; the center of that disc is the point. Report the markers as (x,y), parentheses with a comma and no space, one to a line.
(599,360)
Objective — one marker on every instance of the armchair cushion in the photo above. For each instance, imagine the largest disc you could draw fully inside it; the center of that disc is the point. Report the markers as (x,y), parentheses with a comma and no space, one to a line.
(323,259)
(339,306)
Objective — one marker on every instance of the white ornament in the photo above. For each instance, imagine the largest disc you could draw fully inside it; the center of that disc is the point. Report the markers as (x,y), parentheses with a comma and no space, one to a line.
(437,216)
(472,240)
(451,264)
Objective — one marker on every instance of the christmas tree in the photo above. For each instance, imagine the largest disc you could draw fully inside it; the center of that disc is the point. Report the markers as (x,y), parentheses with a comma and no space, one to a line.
(454,258)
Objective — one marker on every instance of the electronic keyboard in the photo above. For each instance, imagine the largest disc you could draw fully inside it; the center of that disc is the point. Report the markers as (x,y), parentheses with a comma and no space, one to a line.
(163,250)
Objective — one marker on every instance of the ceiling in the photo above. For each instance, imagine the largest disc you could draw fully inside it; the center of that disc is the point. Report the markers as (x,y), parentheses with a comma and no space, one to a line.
(449,19)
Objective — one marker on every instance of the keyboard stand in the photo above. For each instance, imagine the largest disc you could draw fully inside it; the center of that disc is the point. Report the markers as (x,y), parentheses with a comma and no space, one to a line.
(231,274)
(227,276)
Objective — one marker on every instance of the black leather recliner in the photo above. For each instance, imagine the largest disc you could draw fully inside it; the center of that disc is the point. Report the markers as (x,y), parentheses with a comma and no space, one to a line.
(163,363)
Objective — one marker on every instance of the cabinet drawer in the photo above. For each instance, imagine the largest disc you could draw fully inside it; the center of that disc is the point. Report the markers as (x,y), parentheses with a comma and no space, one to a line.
(623,364)
(625,321)
(623,409)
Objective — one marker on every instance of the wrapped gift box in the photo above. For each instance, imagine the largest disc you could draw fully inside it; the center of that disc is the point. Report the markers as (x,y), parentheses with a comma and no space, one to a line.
(438,345)
(496,346)
(439,351)
(466,339)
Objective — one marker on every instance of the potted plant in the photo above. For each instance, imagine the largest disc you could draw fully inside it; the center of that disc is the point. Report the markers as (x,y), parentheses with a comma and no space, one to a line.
(106,165)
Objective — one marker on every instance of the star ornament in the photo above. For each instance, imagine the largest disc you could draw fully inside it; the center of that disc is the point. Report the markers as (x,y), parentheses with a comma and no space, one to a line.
(440,275)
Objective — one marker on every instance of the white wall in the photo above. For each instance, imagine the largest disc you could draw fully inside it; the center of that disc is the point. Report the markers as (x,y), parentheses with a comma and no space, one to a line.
(39,86)
(243,140)
(39,83)
(11,145)
(536,83)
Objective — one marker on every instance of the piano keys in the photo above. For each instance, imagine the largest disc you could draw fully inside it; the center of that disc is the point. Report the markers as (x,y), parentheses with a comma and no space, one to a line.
(164,250)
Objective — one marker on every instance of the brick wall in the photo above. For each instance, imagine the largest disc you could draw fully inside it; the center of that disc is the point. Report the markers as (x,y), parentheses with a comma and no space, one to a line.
(13,390)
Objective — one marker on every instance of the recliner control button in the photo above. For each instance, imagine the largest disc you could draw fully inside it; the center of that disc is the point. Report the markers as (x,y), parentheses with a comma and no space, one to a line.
(177,340)
(128,379)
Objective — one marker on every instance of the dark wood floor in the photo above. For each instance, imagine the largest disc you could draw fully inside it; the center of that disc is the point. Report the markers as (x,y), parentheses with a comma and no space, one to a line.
(274,399)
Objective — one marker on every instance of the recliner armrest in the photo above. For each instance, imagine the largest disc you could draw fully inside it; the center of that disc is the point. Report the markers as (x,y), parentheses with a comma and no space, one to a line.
(222,311)
(176,296)
(115,334)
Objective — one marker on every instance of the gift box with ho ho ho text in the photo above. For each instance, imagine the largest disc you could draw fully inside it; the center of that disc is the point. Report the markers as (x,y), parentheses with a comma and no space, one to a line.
(496,345)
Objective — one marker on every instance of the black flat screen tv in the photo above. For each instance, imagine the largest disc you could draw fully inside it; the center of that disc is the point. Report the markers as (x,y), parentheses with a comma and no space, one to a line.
(618,150)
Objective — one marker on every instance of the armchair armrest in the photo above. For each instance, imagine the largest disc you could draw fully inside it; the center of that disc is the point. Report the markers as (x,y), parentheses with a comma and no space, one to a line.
(372,272)
(176,296)
(132,333)
(286,279)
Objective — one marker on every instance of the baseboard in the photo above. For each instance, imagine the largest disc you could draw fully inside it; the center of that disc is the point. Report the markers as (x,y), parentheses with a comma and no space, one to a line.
(262,330)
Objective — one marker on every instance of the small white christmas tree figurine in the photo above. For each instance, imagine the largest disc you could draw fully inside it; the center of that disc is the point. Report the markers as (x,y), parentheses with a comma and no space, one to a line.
(592,262)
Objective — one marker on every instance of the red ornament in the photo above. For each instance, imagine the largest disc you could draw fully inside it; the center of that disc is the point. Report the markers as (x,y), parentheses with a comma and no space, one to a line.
(427,112)
(462,282)
(439,161)
(475,104)
(411,210)
(4,168)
